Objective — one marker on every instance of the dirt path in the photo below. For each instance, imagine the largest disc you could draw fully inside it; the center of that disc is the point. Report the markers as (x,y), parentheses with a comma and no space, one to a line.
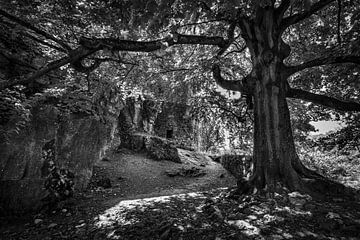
(134,175)
(145,203)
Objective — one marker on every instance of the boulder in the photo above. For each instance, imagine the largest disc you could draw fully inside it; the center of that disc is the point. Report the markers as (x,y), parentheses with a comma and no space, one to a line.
(50,141)
(157,148)
(186,172)
(194,157)
(161,149)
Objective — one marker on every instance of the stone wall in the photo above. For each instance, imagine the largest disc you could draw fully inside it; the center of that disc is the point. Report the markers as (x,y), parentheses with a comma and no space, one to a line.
(174,122)
(73,142)
(137,116)
(163,119)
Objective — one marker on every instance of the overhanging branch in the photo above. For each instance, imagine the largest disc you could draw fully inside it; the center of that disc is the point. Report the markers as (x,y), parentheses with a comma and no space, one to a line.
(288,21)
(150,46)
(281,10)
(237,85)
(324,61)
(74,58)
(51,66)
(35,29)
(89,46)
(323,100)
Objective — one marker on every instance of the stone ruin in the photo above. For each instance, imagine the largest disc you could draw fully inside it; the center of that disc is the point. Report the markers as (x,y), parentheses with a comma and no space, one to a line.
(55,148)
(167,120)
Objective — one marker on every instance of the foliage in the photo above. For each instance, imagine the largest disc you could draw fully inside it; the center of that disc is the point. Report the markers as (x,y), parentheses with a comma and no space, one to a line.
(58,181)
(334,164)
(268,50)
(180,67)
(345,140)
(224,117)
(300,120)
(14,113)
(317,36)
(59,184)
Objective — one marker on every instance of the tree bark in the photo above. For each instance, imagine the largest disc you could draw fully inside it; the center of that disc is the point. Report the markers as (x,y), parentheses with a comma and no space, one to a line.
(276,163)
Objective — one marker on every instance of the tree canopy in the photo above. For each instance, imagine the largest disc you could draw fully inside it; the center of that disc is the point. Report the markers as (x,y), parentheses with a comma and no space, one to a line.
(267,50)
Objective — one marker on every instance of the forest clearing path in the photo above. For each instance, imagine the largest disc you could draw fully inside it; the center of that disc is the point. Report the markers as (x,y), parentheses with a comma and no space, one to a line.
(134,175)
(145,203)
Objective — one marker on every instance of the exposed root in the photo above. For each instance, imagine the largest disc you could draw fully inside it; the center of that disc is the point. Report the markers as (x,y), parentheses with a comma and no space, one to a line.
(303,171)
(306,181)
(319,186)
(327,188)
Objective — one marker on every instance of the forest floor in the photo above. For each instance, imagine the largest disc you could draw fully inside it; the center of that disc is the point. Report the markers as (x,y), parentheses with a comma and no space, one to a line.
(143,202)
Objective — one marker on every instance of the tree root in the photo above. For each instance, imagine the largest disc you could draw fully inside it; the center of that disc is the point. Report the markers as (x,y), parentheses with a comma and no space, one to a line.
(320,186)
(307,182)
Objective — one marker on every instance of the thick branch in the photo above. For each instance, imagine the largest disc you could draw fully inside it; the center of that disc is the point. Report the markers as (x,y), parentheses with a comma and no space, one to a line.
(286,22)
(236,51)
(323,100)
(91,45)
(74,57)
(230,37)
(195,39)
(324,61)
(281,10)
(45,43)
(37,30)
(149,46)
(53,65)
(229,85)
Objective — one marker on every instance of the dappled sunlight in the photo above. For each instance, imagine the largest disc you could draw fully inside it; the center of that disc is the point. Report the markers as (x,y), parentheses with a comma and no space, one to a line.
(117,214)
(217,215)
(122,120)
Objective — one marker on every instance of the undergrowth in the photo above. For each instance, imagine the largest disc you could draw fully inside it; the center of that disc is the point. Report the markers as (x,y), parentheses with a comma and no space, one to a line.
(341,166)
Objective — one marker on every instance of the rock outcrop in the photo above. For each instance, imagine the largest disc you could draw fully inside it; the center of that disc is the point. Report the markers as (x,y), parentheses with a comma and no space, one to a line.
(156,147)
(71,143)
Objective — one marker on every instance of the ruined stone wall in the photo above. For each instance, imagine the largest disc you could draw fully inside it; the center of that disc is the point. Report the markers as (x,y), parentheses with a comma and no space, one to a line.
(137,116)
(174,122)
(163,119)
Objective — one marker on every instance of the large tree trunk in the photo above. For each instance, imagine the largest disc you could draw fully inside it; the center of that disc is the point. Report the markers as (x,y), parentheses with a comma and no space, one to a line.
(276,161)
(275,156)
(277,164)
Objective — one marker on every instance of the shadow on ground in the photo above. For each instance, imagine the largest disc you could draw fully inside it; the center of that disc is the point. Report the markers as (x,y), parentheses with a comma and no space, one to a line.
(204,215)
(213,215)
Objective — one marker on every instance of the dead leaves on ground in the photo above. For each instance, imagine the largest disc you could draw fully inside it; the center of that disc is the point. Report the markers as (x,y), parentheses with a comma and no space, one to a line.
(213,215)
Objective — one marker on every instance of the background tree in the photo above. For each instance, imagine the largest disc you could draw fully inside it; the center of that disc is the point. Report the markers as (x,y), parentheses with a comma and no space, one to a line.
(259,42)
